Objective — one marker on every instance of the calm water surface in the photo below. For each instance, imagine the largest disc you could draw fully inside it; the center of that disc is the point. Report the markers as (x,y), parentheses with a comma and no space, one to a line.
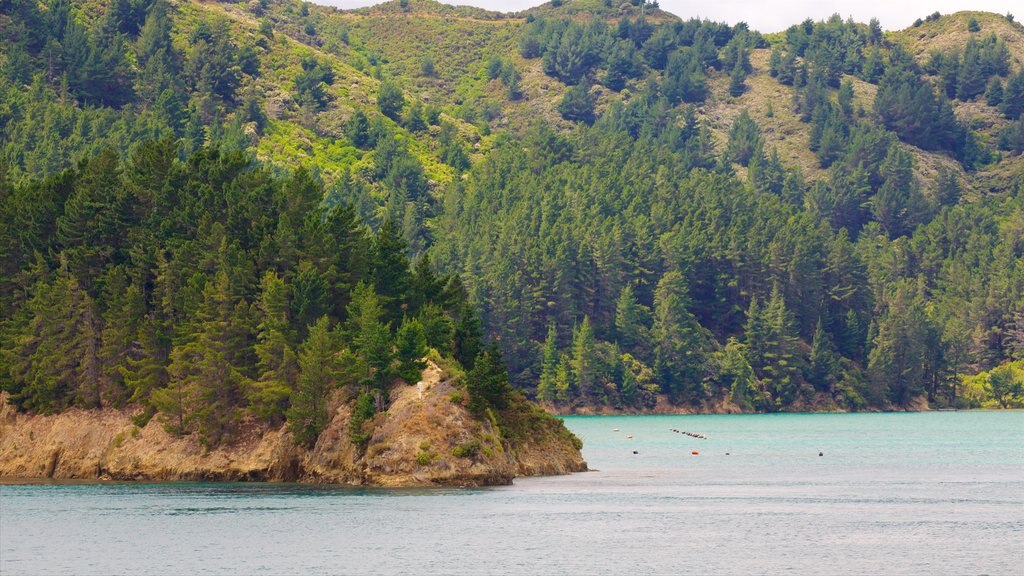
(932,493)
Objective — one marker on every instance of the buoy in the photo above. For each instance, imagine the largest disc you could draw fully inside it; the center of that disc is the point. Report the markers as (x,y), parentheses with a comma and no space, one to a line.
(695,453)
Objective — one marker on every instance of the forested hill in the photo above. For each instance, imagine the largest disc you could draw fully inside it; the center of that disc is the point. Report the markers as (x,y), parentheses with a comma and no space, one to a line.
(224,210)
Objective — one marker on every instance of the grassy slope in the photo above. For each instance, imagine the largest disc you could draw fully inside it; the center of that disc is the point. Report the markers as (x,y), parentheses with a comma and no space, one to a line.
(947,34)
(387,41)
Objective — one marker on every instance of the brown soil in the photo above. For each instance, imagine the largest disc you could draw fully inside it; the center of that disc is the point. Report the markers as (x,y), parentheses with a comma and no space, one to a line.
(414,443)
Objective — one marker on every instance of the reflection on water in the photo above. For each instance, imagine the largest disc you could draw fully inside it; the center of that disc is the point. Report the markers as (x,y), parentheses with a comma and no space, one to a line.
(891,493)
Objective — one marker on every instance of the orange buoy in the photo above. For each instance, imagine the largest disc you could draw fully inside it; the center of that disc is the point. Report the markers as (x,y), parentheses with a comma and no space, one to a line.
(695,453)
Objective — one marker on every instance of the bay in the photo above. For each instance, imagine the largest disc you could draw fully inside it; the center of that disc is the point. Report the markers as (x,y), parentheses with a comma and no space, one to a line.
(899,493)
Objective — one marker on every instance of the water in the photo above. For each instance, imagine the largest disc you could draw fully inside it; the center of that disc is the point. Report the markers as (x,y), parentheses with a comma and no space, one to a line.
(932,493)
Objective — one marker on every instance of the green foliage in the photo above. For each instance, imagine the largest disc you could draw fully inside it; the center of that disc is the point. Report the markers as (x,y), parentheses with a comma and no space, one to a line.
(320,373)
(311,83)
(467,450)
(906,351)
(577,105)
(129,192)
(410,348)
(362,417)
(390,100)
(744,139)
(487,382)
(1012,105)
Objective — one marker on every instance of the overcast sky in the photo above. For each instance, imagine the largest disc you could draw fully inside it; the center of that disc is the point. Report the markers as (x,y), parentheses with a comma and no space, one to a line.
(772,16)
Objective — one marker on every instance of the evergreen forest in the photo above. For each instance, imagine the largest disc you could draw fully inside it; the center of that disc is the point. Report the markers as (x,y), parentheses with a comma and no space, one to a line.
(220,211)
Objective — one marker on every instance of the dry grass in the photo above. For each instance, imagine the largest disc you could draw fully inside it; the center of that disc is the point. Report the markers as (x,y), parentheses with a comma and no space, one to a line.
(950,33)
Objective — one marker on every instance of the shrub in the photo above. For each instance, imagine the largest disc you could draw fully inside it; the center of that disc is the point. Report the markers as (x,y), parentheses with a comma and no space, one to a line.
(467,450)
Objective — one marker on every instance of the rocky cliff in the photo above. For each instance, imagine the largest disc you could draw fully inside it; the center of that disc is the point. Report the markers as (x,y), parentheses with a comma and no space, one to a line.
(425,438)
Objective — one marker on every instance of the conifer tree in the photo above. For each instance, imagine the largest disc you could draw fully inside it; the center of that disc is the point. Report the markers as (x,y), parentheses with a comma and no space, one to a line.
(736,80)
(630,322)
(994,92)
(577,105)
(54,358)
(277,363)
(744,139)
(206,380)
(737,374)
(148,371)
(390,100)
(468,336)
(584,357)
(410,348)
(391,276)
(319,374)
(899,205)
(370,337)
(822,360)
(680,341)
(1013,96)
(487,382)
(546,388)
(120,336)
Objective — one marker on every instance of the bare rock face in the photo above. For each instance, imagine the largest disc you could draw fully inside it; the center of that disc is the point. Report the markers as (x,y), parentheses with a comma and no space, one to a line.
(425,438)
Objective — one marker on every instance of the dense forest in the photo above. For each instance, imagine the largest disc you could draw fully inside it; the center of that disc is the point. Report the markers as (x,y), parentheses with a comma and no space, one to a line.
(228,210)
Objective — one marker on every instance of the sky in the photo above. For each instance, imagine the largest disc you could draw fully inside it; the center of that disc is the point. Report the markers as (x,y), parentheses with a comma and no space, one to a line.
(773,16)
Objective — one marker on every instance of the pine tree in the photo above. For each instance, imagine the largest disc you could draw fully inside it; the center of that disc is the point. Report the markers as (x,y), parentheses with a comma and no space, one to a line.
(392,279)
(410,348)
(206,385)
(972,76)
(822,360)
(546,388)
(357,130)
(947,187)
(390,100)
(630,323)
(680,341)
(736,80)
(899,205)
(438,329)
(468,336)
(277,364)
(1013,96)
(629,390)
(737,374)
(994,92)
(148,371)
(120,336)
(583,362)
(413,120)
(319,374)
(744,139)
(54,360)
(902,360)
(577,105)
(487,382)
(370,337)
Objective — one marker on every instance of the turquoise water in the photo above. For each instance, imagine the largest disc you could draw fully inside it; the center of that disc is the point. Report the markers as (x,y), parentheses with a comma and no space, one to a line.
(932,493)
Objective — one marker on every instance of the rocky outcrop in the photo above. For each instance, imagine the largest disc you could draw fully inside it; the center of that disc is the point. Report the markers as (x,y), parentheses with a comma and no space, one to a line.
(425,438)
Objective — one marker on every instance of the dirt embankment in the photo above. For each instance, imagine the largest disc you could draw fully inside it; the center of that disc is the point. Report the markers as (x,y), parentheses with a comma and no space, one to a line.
(425,438)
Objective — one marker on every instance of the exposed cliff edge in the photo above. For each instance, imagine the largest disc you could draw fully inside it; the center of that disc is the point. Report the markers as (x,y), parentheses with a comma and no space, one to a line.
(425,438)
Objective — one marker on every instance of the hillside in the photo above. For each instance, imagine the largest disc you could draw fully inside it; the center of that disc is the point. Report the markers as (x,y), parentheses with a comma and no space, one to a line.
(641,212)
